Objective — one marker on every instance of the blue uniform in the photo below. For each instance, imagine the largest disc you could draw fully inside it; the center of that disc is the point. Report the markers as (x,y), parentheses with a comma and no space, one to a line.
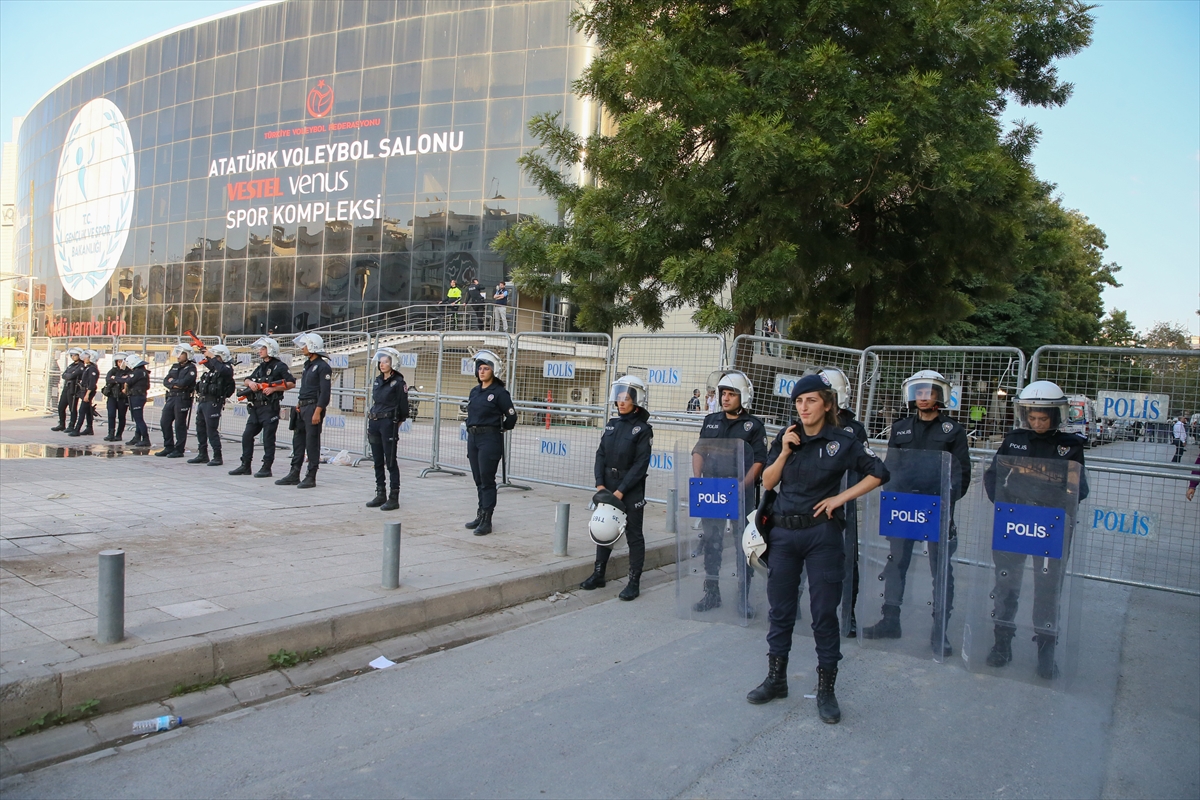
(316,387)
(383,424)
(89,382)
(262,412)
(117,402)
(212,390)
(137,383)
(68,398)
(622,462)
(181,388)
(490,412)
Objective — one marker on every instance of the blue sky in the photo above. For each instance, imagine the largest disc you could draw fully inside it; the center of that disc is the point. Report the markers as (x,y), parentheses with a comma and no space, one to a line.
(1125,150)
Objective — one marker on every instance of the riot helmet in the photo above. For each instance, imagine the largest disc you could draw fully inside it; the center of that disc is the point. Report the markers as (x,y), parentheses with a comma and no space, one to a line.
(607,524)
(221,353)
(733,380)
(840,385)
(492,360)
(927,383)
(313,341)
(1041,396)
(269,343)
(391,354)
(634,387)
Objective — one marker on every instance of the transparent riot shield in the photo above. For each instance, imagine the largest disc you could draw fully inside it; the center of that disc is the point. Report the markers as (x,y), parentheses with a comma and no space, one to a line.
(714,583)
(1023,620)
(907,541)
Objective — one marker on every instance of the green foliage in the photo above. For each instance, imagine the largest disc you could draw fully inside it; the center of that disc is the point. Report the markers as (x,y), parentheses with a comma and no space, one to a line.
(50,719)
(182,689)
(290,658)
(837,159)
(1117,331)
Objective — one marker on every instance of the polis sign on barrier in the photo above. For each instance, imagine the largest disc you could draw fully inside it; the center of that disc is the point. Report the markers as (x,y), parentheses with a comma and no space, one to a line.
(339,361)
(904,515)
(662,461)
(1131,523)
(664,376)
(554,447)
(713,498)
(408,361)
(784,384)
(564,370)
(1138,406)
(1032,530)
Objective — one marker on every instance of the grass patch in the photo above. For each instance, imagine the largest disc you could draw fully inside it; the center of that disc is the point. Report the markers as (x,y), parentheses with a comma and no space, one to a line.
(53,719)
(182,689)
(289,658)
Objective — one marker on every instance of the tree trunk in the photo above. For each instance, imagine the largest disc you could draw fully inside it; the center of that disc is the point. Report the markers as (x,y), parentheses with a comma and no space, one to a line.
(863,332)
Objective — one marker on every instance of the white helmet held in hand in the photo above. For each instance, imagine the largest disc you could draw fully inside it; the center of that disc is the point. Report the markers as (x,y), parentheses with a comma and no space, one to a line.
(491,359)
(735,380)
(754,545)
(391,354)
(269,343)
(607,524)
(840,385)
(927,380)
(633,386)
(1042,396)
(134,360)
(313,341)
(220,351)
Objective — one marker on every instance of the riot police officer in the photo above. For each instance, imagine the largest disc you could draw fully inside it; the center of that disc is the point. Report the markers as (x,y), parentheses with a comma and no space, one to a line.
(263,392)
(89,383)
(733,421)
(622,461)
(212,390)
(69,383)
(136,383)
(490,412)
(805,466)
(388,409)
(117,403)
(1041,408)
(316,387)
(926,393)
(181,388)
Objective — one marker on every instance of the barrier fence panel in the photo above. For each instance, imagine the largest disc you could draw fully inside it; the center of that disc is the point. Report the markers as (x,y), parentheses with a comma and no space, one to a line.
(419,365)
(559,385)
(1141,528)
(983,382)
(774,365)
(27,375)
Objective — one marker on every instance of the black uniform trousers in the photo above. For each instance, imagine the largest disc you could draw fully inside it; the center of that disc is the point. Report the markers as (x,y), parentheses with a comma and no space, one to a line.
(382,435)
(67,402)
(820,547)
(306,438)
(116,409)
(714,545)
(895,572)
(137,402)
(485,449)
(262,419)
(1048,574)
(87,415)
(208,424)
(174,422)
(634,517)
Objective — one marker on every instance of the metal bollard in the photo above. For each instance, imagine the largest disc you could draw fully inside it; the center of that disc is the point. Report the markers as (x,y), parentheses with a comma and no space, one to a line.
(562,524)
(391,555)
(110,614)
(672,509)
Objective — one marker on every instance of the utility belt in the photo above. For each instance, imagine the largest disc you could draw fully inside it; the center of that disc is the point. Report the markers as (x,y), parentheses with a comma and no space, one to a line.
(141,395)
(385,415)
(211,398)
(799,522)
(477,429)
(305,403)
(173,393)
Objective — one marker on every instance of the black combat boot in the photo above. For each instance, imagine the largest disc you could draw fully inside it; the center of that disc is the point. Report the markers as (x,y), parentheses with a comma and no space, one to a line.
(73,432)
(939,641)
(166,451)
(175,453)
(827,704)
(264,471)
(200,458)
(88,432)
(380,497)
(216,459)
(473,524)
(243,469)
(291,479)
(1001,652)
(59,427)
(853,632)
(886,628)
(775,684)
(634,587)
(596,579)
(309,482)
(1047,669)
(711,599)
(393,501)
(485,523)
(110,438)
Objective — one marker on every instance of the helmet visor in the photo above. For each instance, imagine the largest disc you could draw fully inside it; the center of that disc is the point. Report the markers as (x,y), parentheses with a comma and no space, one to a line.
(621,391)
(1056,412)
(925,390)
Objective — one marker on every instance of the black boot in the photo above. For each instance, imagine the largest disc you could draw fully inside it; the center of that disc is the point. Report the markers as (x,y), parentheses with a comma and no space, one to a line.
(712,597)
(485,523)
(473,524)
(853,633)
(73,432)
(110,438)
(216,460)
(136,440)
(886,628)
(827,704)
(200,458)
(393,501)
(1001,652)
(291,479)
(243,469)
(633,588)
(59,427)
(775,684)
(166,451)
(88,432)
(178,453)
(379,499)
(596,579)
(1047,669)
(309,482)
(939,641)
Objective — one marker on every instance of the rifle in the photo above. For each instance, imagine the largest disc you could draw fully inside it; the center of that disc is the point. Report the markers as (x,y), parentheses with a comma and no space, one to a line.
(246,393)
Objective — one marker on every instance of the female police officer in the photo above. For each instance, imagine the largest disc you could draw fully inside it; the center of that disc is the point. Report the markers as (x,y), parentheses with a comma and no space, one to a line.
(805,466)
(389,407)
(622,461)
(490,412)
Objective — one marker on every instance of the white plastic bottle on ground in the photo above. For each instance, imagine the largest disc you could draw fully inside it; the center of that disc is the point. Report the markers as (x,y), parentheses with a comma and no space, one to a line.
(157,724)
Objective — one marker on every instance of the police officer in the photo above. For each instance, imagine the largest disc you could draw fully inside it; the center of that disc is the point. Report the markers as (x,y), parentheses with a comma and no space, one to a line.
(926,393)
(212,390)
(89,383)
(388,409)
(734,421)
(117,403)
(1041,408)
(805,466)
(316,386)
(181,388)
(490,412)
(136,383)
(263,392)
(622,461)
(69,383)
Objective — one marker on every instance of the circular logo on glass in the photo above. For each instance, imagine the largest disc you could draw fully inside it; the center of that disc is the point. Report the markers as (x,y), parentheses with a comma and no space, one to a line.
(93,198)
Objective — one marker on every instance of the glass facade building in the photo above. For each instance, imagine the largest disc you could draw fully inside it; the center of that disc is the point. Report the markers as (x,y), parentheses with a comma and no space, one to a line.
(290,165)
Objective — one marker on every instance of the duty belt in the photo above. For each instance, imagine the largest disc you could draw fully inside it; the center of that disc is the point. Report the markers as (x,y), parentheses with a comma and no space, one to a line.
(483,428)
(304,403)
(388,415)
(175,393)
(798,522)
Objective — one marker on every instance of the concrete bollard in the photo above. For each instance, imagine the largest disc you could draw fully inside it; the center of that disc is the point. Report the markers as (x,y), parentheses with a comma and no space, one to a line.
(110,614)
(391,555)
(562,524)
(672,509)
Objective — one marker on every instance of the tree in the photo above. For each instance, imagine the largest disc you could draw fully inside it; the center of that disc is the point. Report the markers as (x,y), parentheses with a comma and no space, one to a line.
(1117,331)
(1168,336)
(809,156)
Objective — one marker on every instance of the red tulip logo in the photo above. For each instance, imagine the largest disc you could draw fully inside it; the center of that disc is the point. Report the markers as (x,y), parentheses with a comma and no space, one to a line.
(320,100)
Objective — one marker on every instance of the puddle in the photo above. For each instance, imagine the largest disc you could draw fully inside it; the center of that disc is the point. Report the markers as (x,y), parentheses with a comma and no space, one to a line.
(13,451)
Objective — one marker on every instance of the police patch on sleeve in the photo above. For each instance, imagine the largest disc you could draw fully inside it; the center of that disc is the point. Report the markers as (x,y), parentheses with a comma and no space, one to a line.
(747,426)
(848,429)
(867,449)
(636,428)
(511,412)
(947,427)
(491,397)
(1063,450)
(832,448)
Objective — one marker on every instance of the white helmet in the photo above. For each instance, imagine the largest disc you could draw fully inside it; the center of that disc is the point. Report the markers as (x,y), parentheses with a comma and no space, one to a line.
(1042,396)
(134,360)
(485,357)
(839,383)
(75,351)
(269,343)
(392,354)
(633,386)
(754,545)
(119,356)
(926,380)
(220,351)
(735,380)
(607,524)
(313,341)
(180,348)
(92,355)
